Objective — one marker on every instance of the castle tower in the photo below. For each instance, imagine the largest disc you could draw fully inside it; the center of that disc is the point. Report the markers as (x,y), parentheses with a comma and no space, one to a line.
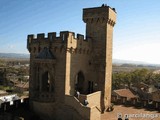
(99,28)
(62,65)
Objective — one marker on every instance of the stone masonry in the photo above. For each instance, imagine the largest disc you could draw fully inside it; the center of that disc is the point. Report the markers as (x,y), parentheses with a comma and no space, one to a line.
(60,66)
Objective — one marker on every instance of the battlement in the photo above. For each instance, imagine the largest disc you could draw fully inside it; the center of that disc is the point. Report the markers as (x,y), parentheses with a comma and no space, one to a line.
(8,106)
(104,14)
(65,37)
(51,36)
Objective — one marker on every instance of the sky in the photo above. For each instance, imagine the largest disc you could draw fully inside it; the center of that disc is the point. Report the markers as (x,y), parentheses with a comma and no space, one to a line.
(136,33)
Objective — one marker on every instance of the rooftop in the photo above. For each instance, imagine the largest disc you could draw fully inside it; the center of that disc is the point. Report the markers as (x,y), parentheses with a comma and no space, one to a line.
(45,54)
(125,93)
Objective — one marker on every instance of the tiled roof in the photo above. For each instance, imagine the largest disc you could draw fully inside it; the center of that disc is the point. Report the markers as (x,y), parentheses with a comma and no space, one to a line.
(156,91)
(125,93)
(141,84)
(23,85)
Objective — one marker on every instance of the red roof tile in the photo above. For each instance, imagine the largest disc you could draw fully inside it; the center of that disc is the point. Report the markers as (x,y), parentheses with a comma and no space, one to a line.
(125,93)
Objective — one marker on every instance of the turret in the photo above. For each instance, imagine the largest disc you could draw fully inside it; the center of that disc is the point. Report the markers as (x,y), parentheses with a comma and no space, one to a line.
(99,27)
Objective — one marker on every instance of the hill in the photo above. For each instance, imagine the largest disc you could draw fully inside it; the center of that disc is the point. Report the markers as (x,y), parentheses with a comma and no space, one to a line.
(14,55)
(115,61)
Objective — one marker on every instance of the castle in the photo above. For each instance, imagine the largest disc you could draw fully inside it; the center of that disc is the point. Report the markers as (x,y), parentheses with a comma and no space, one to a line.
(62,65)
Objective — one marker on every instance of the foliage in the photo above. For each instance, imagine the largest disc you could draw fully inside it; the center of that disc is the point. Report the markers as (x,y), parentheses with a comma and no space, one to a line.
(2,87)
(2,63)
(123,79)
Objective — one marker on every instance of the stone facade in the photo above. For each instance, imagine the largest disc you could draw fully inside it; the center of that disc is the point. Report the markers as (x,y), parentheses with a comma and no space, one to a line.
(62,65)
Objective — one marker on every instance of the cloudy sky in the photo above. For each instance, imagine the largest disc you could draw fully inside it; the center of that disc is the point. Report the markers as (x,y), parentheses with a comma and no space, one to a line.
(136,33)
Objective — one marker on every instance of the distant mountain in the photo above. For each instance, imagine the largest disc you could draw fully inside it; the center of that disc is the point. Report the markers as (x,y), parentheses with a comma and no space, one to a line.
(115,61)
(119,61)
(14,55)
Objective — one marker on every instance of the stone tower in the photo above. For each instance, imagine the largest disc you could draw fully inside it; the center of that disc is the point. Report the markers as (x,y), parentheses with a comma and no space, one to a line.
(60,66)
(99,27)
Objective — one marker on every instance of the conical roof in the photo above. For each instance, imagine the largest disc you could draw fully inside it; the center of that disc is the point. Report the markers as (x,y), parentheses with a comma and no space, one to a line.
(45,54)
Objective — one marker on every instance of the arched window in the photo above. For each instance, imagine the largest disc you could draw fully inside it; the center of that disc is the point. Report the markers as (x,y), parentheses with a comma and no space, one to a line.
(34,49)
(39,49)
(79,82)
(46,81)
(55,49)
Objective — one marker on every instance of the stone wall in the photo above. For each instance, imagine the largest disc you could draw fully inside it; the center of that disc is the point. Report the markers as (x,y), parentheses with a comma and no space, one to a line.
(94,99)
(88,113)
(99,27)
(56,111)
(7,106)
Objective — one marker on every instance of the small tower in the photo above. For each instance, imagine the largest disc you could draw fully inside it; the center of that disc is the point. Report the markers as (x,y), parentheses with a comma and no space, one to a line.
(99,27)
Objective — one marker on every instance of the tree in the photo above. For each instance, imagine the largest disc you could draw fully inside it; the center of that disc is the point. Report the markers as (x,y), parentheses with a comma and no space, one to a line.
(133,77)
(139,75)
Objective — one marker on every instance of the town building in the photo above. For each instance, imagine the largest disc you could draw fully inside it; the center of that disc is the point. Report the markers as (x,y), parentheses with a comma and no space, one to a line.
(124,93)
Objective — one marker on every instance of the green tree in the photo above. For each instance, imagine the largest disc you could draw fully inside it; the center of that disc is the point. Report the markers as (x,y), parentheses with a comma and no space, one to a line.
(139,75)
(133,77)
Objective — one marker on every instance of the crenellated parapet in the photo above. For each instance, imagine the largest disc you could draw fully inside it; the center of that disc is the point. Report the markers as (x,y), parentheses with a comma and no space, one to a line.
(64,40)
(79,44)
(103,14)
(50,37)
